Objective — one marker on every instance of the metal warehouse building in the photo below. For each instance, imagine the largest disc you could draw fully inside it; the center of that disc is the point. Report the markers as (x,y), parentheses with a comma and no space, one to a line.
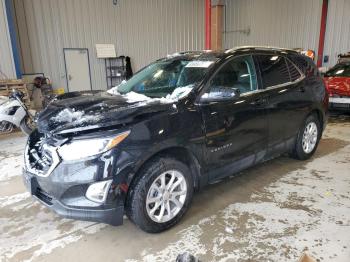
(35,33)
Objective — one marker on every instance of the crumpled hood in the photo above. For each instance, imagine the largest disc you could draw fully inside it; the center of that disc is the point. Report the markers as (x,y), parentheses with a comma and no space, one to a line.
(338,85)
(81,111)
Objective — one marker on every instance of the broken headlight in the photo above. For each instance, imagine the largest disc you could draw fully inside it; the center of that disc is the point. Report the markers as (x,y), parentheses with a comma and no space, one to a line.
(78,149)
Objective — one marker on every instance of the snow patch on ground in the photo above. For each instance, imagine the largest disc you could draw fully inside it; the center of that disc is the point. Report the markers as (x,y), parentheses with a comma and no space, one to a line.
(14,199)
(10,166)
(306,209)
(61,242)
(37,229)
(189,241)
(27,226)
(289,217)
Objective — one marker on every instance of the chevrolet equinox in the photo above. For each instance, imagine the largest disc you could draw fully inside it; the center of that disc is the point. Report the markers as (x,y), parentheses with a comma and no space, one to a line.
(145,146)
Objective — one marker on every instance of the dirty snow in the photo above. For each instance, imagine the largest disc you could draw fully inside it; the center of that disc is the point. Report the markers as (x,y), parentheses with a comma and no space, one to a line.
(189,241)
(24,223)
(180,92)
(304,209)
(132,97)
(67,116)
(42,235)
(70,115)
(11,157)
(14,199)
(299,212)
(173,55)
(10,166)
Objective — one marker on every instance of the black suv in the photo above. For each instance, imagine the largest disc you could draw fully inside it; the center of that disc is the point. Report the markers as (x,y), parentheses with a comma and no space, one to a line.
(145,146)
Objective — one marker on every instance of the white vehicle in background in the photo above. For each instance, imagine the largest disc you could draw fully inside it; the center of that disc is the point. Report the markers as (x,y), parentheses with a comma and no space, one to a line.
(13,112)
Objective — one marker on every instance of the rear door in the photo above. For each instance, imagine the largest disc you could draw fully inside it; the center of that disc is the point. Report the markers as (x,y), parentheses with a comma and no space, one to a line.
(284,89)
(236,129)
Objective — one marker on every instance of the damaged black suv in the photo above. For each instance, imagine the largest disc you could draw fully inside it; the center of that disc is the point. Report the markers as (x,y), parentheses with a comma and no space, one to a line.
(145,146)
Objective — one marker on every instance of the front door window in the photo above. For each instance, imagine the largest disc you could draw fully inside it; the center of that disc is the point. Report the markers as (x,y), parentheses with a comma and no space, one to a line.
(236,75)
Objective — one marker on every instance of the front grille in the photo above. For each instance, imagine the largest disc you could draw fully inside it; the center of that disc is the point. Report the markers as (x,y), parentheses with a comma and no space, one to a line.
(43,196)
(40,157)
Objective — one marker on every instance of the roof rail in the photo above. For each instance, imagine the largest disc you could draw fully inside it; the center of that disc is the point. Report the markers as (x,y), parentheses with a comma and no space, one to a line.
(259,48)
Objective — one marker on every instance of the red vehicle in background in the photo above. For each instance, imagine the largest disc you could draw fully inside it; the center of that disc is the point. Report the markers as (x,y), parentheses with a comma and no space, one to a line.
(337,80)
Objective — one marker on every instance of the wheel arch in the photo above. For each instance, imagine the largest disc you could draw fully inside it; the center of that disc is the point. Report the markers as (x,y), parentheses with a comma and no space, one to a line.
(318,113)
(182,154)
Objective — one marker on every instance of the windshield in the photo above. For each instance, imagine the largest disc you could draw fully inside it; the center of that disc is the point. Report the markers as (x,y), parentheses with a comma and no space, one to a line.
(339,70)
(164,78)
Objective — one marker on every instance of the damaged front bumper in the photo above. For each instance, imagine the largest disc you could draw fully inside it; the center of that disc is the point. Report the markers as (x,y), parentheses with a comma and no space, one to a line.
(73,202)
(64,187)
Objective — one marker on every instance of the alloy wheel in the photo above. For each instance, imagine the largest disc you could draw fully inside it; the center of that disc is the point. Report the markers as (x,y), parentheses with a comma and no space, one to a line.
(309,137)
(166,196)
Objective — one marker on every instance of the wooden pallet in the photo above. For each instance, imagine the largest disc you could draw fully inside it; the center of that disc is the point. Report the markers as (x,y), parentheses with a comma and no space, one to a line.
(6,87)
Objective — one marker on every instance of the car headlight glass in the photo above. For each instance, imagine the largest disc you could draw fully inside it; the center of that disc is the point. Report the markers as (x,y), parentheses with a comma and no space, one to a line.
(83,148)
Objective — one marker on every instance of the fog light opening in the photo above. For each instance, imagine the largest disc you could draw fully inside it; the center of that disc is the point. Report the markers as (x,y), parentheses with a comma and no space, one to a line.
(98,191)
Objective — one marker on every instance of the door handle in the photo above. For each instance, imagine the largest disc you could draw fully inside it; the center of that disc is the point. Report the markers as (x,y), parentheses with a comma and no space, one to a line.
(302,89)
(70,77)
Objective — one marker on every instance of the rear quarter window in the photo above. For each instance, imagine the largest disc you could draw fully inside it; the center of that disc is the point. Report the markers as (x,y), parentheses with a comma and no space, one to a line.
(274,70)
(293,71)
(305,64)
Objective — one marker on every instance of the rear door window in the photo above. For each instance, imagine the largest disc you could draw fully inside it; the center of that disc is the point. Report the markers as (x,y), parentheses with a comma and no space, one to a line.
(274,70)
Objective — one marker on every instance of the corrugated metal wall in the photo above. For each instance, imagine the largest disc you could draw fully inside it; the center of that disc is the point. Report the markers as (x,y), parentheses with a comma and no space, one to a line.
(281,23)
(7,66)
(337,30)
(143,30)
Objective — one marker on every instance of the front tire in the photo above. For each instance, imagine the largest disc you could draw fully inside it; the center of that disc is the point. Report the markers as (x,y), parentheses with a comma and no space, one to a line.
(307,139)
(159,198)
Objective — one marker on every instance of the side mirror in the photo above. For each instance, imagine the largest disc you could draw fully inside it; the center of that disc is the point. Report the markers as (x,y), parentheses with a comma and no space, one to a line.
(221,94)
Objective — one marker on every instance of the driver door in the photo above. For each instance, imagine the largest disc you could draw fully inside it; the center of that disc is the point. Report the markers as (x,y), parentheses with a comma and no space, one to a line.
(235,125)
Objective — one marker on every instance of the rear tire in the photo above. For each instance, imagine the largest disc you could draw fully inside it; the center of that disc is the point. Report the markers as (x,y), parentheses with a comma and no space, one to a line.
(307,139)
(5,127)
(161,195)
